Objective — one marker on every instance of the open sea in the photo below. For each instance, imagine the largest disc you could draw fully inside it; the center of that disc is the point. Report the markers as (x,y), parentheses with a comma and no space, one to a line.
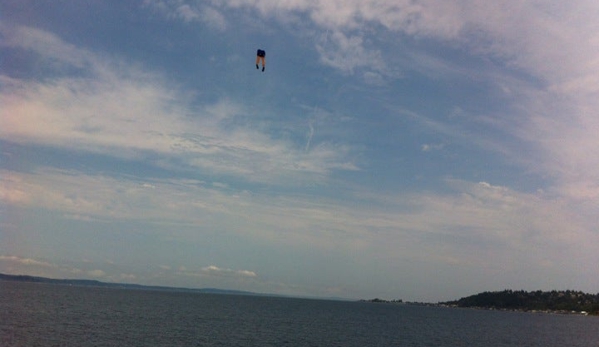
(34,314)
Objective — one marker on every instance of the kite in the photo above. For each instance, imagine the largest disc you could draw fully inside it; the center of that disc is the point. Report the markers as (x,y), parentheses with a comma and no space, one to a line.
(261,56)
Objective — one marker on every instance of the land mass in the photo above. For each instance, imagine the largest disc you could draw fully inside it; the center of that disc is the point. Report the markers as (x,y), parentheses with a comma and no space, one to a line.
(565,301)
(94,283)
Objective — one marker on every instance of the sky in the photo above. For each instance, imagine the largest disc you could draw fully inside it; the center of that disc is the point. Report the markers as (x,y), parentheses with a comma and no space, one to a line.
(400,149)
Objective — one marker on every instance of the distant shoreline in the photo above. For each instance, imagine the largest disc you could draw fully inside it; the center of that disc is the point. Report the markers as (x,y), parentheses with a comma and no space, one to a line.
(96,283)
(557,302)
(548,302)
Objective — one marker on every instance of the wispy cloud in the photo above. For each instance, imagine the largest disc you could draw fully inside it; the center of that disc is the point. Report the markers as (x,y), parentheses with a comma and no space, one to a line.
(501,216)
(48,46)
(96,273)
(126,112)
(552,43)
(530,97)
(212,272)
(25,261)
(189,12)
(104,271)
(554,40)
(217,271)
(348,53)
(432,147)
(510,228)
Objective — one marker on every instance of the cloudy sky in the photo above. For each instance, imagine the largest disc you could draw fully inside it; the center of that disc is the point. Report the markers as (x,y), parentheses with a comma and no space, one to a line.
(402,149)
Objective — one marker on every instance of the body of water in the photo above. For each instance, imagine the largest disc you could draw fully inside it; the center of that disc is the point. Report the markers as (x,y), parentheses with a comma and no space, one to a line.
(34,314)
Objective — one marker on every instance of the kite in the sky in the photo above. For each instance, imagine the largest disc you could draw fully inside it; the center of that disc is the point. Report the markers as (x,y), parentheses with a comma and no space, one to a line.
(261,56)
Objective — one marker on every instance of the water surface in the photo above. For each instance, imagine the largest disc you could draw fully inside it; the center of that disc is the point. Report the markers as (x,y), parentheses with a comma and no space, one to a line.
(34,314)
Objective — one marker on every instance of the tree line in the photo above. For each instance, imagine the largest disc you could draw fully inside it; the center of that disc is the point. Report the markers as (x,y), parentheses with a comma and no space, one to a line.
(562,301)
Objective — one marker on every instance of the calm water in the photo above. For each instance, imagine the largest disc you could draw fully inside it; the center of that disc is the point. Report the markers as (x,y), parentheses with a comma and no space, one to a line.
(53,315)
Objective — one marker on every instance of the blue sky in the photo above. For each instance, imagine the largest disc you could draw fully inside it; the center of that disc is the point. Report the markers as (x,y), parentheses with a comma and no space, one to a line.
(397,149)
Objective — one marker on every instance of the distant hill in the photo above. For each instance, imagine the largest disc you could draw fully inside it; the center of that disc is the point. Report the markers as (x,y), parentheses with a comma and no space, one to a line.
(94,283)
(24,278)
(567,301)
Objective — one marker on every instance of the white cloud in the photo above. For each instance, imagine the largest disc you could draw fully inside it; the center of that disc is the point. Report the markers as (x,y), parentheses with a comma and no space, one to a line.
(96,273)
(25,261)
(215,271)
(22,265)
(128,277)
